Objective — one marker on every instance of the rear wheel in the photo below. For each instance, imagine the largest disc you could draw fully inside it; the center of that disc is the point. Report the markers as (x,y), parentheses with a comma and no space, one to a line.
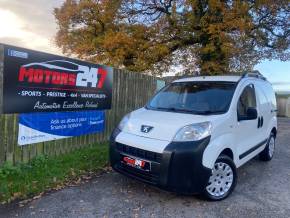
(268,153)
(223,179)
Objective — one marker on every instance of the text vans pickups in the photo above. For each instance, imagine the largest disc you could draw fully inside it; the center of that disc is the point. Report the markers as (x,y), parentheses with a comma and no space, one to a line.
(195,132)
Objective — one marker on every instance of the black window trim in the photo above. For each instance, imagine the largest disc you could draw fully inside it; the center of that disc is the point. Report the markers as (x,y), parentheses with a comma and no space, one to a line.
(244,118)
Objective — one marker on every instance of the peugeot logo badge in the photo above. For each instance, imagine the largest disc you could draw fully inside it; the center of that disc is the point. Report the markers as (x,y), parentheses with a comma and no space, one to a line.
(146,129)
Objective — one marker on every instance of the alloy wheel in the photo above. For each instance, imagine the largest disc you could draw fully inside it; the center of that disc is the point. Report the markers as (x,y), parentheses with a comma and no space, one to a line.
(271,146)
(221,179)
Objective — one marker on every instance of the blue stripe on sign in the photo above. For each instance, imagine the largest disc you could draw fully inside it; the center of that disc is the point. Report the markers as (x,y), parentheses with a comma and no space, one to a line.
(65,123)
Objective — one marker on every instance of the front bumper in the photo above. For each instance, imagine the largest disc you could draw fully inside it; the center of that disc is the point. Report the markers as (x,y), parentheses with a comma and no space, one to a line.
(179,168)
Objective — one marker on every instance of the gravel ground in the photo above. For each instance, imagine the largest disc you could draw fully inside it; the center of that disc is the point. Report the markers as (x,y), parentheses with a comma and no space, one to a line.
(263,190)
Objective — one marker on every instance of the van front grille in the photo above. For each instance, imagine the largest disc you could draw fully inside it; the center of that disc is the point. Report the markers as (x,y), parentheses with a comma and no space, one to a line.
(140,153)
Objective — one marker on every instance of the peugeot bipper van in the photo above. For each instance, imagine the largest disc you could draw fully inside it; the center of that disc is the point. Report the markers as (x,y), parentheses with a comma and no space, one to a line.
(195,132)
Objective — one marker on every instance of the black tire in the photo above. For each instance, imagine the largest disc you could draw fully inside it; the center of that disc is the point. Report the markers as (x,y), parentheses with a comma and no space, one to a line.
(227,160)
(267,154)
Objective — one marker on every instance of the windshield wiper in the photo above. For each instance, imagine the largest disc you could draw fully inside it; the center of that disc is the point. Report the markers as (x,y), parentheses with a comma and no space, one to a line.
(209,112)
(174,109)
(205,112)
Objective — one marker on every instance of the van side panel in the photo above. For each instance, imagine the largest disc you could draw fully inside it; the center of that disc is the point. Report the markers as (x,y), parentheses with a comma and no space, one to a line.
(271,107)
(265,113)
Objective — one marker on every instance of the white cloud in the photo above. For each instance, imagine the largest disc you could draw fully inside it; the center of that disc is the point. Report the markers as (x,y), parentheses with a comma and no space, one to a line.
(10,24)
(29,24)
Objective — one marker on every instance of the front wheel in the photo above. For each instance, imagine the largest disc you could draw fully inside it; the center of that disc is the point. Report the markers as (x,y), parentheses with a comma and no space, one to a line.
(223,179)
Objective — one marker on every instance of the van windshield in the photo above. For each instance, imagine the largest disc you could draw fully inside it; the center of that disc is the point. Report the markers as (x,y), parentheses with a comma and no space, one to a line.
(194,97)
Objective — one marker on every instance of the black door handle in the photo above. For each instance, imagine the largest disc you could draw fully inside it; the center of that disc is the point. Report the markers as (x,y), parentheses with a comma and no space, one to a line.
(260,121)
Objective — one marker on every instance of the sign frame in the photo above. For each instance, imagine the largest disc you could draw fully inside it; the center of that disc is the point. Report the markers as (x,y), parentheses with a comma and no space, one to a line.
(36,81)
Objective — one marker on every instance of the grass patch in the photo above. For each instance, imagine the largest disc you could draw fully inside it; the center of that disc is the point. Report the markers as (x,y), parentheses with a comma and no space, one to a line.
(44,173)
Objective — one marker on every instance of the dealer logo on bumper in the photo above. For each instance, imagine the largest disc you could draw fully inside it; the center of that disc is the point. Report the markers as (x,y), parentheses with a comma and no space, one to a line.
(146,129)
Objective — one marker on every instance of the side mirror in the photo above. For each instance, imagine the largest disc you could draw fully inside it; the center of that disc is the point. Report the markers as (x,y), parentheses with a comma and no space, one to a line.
(252,113)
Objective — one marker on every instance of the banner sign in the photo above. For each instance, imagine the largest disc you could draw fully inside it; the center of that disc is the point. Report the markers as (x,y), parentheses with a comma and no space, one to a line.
(40,82)
(41,127)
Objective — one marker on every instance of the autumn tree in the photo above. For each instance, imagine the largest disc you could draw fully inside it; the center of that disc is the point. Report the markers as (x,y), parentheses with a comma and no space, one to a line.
(218,36)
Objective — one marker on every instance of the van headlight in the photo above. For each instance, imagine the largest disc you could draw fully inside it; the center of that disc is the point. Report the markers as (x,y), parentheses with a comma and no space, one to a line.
(124,121)
(193,132)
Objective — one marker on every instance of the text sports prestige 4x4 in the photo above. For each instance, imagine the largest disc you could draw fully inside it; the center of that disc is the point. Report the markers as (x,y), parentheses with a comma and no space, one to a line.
(195,132)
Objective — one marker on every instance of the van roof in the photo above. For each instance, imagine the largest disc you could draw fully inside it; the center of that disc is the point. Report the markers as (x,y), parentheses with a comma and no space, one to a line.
(210,78)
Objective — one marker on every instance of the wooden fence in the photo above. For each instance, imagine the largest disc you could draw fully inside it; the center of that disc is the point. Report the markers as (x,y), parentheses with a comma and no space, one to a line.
(130,91)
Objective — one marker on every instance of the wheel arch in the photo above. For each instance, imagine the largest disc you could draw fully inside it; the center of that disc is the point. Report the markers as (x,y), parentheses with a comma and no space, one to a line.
(228,152)
(220,145)
(274,131)
(209,160)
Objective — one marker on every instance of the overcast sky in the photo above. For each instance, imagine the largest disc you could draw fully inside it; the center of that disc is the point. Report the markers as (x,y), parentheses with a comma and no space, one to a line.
(31,24)
(28,23)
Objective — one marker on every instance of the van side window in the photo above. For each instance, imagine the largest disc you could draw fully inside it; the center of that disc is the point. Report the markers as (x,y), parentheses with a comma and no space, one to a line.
(261,96)
(246,100)
(268,90)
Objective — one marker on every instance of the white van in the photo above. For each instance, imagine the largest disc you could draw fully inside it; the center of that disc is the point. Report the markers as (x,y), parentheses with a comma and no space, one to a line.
(195,132)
